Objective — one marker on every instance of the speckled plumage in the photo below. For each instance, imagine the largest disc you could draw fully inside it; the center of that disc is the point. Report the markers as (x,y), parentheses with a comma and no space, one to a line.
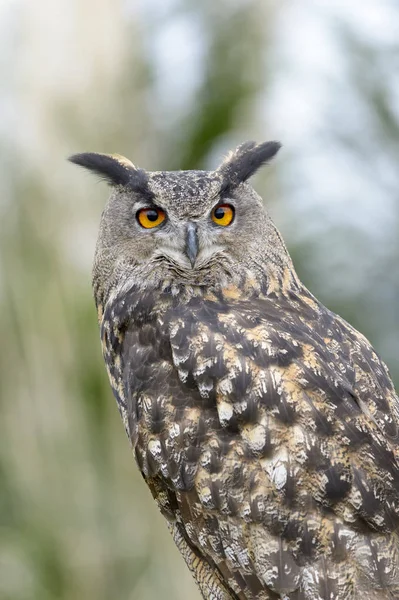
(265,426)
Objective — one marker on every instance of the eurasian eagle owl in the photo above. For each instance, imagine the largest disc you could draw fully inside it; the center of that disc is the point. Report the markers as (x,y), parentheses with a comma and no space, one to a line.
(265,426)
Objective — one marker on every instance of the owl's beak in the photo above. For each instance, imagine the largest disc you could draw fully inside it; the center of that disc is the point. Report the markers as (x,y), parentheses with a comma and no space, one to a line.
(192,248)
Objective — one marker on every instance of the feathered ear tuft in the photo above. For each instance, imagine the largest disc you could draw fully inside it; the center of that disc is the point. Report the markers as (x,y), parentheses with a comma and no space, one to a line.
(243,162)
(113,168)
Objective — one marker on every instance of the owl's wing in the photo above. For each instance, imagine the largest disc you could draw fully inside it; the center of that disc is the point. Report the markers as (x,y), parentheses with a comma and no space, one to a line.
(267,431)
(297,484)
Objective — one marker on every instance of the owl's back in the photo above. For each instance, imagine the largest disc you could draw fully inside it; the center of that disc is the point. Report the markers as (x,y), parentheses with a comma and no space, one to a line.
(266,428)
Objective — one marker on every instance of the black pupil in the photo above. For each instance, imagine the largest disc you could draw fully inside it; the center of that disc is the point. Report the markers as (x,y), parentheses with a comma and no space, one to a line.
(152,215)
(219,212)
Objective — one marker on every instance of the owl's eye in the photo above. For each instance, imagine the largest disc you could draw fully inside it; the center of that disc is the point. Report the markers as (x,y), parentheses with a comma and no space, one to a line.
(150,217)
(223,214)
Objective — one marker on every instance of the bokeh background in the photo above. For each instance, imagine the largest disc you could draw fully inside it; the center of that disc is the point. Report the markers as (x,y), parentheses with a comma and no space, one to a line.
(170,84)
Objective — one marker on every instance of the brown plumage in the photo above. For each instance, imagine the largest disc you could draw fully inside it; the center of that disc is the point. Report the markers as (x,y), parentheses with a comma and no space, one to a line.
(265,426)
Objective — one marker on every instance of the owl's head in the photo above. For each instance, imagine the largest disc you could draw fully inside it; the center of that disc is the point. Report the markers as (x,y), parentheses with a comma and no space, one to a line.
(193,228)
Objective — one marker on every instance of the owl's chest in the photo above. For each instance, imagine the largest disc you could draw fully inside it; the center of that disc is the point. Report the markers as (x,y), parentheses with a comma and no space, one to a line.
(200,374)
(209,370)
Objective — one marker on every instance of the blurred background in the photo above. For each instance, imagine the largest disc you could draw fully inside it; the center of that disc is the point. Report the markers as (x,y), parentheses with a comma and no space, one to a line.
(170,84)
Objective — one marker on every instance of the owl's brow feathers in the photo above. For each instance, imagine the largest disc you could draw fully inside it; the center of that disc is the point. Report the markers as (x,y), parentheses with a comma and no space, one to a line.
(238,166)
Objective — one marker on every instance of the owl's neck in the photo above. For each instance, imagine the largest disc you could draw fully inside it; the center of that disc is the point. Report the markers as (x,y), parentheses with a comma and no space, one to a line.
(245,286)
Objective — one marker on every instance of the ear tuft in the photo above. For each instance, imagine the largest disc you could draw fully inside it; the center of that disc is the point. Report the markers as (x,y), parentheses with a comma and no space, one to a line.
(113,168)
(243,162)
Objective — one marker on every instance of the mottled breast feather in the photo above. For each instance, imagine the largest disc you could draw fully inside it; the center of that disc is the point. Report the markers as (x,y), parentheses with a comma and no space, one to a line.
(267,430)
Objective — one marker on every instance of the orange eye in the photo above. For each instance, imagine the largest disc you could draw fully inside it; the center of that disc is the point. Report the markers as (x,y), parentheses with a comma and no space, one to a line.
(223,214)
(150,217)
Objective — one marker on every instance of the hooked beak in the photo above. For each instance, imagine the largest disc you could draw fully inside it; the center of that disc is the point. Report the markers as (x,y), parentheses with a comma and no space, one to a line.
(192,243)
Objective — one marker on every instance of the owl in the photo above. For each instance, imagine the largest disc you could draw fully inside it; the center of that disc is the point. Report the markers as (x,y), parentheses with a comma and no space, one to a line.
(265,426)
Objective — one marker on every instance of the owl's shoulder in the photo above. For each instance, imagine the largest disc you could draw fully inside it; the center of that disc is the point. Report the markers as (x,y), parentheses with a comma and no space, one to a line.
(294,337)
(241,351)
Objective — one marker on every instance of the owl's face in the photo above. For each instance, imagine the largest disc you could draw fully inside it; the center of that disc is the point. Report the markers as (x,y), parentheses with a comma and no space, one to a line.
(183,226)
(187,227)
